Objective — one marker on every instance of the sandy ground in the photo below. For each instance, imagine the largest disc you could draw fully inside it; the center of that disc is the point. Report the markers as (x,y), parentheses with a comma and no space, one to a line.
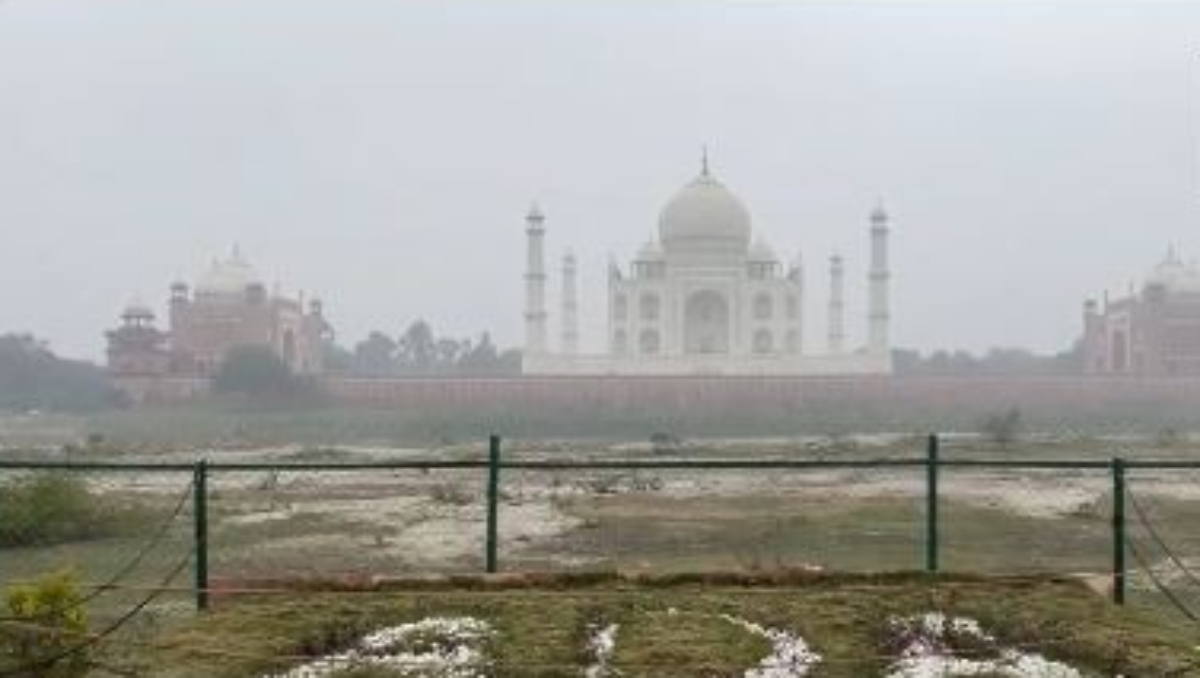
(425,519)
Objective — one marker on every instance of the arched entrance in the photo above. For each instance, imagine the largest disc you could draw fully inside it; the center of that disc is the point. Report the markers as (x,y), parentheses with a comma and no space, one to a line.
(706,323)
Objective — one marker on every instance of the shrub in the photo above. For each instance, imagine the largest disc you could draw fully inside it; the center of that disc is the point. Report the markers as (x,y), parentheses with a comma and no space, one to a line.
(449,493)
(50,623)
(256,372)
(662,442)
(51,508)
(32,377)
(1003,428)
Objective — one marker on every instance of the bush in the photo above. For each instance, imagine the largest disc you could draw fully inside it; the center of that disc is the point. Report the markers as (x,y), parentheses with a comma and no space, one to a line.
(256,372)
(1003,428)
(51,508)
(32,377)
(51,622)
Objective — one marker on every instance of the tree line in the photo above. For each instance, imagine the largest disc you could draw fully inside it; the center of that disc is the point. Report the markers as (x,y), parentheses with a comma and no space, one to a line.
(33,377)
(996,361)
(419,350)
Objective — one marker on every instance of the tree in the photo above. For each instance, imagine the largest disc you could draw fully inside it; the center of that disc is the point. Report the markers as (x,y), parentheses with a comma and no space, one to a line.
(375,355)
(448,352)
(1003,428)
(421,351)
(255,371)
(418,348)
(996,361)
(335,357)
(32,377)
(481,358)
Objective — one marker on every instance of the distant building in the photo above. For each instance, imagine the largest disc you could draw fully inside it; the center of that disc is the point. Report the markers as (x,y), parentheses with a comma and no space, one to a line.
(707,296)
(1154,332)
(230,307)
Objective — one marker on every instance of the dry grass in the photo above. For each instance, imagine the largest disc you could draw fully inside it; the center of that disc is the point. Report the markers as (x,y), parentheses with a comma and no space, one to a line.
(670,625)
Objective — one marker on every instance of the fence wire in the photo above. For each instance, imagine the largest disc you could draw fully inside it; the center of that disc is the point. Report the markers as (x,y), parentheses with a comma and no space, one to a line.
(1022,520)
(130,531)
(400,514)
(1163,541)
(112,530)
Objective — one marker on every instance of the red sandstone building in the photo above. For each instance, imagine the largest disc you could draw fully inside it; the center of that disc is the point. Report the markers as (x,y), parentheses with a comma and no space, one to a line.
(1153,333)
(229,307)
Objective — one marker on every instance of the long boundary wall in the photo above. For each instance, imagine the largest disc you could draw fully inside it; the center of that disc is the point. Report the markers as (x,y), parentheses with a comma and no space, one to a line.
(692,393)
(878,397)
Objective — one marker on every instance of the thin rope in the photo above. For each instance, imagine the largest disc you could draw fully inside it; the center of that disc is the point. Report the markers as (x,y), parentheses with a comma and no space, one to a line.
(1162,544)
(111,584)
(1162,588)
(47,662)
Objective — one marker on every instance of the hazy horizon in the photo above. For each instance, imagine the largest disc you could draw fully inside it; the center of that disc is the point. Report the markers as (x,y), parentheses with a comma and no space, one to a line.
(383,155)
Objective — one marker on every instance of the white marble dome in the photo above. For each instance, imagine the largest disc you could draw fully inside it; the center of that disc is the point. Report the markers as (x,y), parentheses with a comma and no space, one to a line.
(704,213)
(1175,275)
(229,277)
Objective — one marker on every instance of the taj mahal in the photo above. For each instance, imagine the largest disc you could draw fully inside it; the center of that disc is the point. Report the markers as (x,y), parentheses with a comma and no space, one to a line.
(707,296)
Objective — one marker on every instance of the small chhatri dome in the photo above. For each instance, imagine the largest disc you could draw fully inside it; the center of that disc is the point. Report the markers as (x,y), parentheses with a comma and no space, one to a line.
(761,252)
(229,277)
(650,251)
(1175,275)
(137,310)
(705,213)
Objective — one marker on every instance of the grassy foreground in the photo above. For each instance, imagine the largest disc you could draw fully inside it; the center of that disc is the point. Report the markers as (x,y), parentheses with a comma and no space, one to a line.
(673,626)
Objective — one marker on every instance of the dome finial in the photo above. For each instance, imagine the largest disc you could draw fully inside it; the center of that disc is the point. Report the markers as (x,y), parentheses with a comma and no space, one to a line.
(879,214)
(704,160)
(535,213)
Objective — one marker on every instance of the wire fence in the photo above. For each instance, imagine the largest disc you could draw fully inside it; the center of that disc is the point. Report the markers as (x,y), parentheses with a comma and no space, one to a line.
(253,525)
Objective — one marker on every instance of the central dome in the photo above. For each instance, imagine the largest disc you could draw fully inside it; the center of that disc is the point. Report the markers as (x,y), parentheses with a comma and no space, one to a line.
(228,278)
(707,214)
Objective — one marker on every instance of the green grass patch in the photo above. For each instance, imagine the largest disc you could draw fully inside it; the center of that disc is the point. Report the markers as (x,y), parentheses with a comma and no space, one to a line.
(54,508)
(674,627)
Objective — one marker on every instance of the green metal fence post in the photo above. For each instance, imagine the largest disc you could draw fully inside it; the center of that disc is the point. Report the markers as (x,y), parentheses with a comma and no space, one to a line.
(1118,526)
(493,503)
(200,525)
(931,504)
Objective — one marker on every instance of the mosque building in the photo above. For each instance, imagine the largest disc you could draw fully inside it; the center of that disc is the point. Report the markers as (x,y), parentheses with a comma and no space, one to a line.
(1151,332)
(229,307)
(708,296)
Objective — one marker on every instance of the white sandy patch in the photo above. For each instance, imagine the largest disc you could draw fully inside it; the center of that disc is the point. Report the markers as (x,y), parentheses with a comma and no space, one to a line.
(450,532)
(447,647)
(928,652)
(382,511)
(789,658)
(601,644)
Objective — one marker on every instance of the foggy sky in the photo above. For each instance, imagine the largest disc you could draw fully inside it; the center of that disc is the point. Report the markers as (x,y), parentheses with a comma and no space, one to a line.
(382,155)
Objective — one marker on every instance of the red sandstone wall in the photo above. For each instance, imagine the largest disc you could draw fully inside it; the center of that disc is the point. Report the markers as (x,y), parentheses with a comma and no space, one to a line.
(885,401)
(703,393)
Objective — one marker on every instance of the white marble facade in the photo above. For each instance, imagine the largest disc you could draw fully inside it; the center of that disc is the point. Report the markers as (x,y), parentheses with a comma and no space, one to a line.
(707,296)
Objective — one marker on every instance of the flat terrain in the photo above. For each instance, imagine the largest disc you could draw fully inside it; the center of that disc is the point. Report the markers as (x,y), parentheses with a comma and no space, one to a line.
(355,525)
(358,523)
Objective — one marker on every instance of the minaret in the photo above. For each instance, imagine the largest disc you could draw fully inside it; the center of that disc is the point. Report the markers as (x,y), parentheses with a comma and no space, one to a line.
(535,283)
(796,277)
(837,305)
(570,309)
(877,310)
